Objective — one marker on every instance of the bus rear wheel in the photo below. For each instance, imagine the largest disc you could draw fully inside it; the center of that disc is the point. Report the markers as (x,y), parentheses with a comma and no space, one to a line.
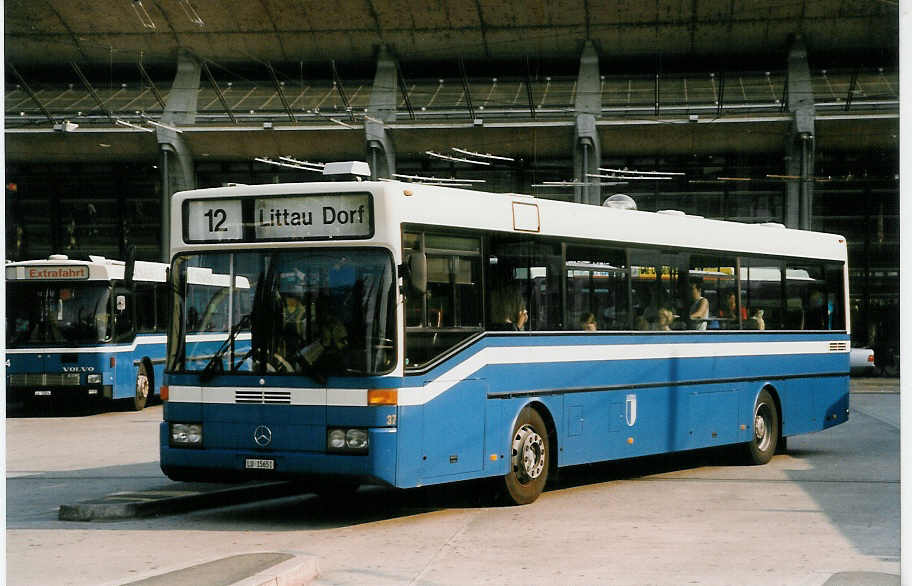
(762,446)
(143,387)
(529,458)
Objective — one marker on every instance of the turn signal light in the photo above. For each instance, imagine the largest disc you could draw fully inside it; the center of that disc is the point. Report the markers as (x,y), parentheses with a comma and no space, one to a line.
(382,396)
(163,392)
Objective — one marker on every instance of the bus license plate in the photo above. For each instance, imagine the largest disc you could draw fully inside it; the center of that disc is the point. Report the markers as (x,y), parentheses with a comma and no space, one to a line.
(259,464)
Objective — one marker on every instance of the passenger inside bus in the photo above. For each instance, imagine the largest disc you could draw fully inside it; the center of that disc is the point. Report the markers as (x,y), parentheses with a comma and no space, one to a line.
(817,313)
(755,322)
(589,323)
(294,317)
(664,319)
(729,309)
(508,309)
(699,307)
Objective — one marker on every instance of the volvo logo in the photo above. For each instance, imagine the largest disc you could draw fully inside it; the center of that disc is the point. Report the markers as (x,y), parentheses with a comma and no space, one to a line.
(262,435)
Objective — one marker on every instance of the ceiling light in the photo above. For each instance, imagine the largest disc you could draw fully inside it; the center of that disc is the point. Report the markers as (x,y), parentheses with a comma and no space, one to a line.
(191,13)
(131,125)
(143,14)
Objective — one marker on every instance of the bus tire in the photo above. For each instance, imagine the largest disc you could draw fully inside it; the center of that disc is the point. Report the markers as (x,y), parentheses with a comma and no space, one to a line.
(765,430)
(143,387)
(529,458)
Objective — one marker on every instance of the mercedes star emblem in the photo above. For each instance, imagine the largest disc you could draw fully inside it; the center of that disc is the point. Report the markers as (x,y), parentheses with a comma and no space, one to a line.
(262,435)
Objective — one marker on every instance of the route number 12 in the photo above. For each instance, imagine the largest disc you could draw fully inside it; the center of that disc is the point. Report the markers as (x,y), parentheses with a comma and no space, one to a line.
(217,219)
(214,221)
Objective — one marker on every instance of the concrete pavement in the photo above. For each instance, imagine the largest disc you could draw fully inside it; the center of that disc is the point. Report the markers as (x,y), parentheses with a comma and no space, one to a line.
(833,488)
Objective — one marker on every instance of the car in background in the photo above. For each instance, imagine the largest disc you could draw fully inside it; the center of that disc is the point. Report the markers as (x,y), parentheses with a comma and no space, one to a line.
(861,361)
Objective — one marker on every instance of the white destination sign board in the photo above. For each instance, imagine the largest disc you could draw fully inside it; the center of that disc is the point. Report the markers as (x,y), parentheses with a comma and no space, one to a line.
(215,220)
(340,215)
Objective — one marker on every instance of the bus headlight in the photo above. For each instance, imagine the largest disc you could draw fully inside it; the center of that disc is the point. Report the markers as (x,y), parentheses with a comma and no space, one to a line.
(93,379)
(336,439)
(356,439)
(186,435)
(352,440)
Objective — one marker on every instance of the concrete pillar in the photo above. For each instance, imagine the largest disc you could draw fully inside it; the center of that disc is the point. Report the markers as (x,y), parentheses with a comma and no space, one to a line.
(587,152)
(176,160)
(381,154)
(799,147)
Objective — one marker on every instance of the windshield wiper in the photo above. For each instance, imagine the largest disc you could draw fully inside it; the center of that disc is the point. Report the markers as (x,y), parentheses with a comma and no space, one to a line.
(214,366)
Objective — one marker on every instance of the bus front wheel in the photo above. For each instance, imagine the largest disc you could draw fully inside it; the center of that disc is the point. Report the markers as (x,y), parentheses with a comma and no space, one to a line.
(143,387)
(529,458)
(762,446)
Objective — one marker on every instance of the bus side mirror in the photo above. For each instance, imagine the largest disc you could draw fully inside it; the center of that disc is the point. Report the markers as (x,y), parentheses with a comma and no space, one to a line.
(417,271)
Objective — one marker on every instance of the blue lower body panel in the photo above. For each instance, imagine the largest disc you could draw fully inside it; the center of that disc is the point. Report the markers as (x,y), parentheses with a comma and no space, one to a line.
(228,465)
(602,397)
(296,447)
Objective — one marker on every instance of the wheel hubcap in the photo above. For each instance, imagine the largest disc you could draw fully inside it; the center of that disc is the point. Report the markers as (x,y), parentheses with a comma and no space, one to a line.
(528,454)
(142,386)
(761,428)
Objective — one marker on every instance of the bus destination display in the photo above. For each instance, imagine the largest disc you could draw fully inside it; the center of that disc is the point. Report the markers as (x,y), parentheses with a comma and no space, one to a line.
(316,216)
(305,217)
(47,273)
(215,220)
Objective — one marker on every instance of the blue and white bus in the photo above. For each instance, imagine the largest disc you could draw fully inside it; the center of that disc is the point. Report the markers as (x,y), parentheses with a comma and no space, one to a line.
(91,328)
(411,335)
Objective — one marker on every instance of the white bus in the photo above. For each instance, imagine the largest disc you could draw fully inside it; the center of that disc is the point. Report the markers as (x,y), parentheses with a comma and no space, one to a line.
(409,335)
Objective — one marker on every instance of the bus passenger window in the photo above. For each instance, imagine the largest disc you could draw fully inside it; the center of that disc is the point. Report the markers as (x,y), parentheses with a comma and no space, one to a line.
(144,298)
(659,282)
(716,277)
(596,289)
(450,310)
(533,268)
(762,295)
(814,291)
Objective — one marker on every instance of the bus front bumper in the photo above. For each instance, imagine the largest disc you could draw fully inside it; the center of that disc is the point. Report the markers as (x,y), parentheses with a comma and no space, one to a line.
(378,465)
(17,393)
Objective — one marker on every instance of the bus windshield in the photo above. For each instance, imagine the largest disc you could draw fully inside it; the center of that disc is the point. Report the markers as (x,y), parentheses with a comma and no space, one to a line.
(57,314)
(315,312)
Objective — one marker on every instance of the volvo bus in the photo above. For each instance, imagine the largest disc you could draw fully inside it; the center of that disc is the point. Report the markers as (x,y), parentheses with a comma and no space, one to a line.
(85,328)
(410,335)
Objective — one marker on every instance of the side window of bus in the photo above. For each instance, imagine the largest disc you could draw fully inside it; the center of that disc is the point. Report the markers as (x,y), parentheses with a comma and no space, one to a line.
(162,306)
(814,296)
(597,289)
(450,310)
(123,315)
(713,279)
(144,298)
(524,284)
(658,282)
(762,296)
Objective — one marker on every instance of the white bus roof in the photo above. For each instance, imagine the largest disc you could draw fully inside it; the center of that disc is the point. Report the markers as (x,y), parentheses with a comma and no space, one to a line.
(412,203)
(59,267)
